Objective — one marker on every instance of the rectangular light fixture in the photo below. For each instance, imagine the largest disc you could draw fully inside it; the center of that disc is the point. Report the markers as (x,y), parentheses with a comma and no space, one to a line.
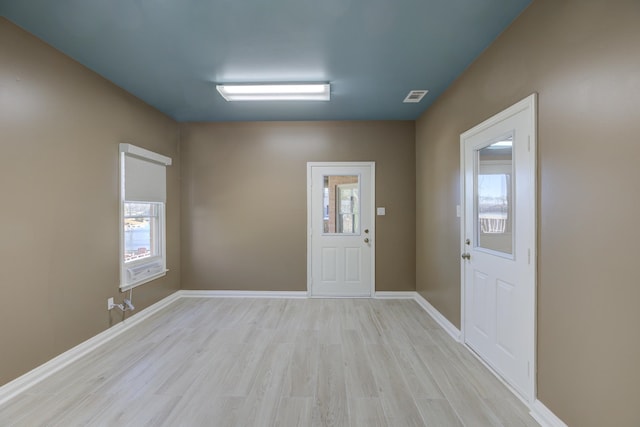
(279,92)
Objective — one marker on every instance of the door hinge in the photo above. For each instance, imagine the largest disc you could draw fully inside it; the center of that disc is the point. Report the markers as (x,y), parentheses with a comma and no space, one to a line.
(529,143)
(528,369)
(529,256)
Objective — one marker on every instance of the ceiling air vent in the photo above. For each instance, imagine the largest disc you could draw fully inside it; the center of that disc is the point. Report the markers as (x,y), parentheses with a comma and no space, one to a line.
(415,96)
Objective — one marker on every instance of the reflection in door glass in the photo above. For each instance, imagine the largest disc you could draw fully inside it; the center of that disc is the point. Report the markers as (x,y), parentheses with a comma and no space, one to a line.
(341,204)
(494,200)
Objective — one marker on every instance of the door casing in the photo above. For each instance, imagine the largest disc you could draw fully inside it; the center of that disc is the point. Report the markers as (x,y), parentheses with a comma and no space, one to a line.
(529,103)
(372,228)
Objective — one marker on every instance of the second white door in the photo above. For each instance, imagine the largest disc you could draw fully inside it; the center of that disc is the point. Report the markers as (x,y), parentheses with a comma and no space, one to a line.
(498,245)
(341,233)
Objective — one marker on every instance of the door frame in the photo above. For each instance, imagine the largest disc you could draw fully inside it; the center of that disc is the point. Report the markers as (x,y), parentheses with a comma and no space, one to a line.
(372,228)
(529,103)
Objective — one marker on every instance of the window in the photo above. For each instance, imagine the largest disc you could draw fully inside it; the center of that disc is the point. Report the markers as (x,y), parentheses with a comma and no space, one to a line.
(143,198)
(341,204)
(141,227)
(494,196)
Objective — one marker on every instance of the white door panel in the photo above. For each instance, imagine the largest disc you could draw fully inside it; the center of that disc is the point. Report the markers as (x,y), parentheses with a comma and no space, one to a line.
(498,231)
(353,265)
(480,297)
(341,229)
(329,263)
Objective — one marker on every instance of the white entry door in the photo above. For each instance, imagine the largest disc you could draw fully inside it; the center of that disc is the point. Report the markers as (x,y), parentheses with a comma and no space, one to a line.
(498,243)
(341,229)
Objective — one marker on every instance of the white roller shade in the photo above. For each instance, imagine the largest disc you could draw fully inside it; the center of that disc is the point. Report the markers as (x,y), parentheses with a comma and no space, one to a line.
(144,174)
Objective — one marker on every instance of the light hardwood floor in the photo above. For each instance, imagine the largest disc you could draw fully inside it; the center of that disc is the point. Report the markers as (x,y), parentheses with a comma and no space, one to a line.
(275,362)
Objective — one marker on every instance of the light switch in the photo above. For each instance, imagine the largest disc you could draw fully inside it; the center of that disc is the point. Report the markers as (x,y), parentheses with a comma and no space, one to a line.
(381,211)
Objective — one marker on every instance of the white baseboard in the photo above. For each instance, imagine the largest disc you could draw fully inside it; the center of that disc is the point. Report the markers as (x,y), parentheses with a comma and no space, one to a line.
(539,411)
(438,317)
(395,295)
(544,416)
(241,294)
(20,384)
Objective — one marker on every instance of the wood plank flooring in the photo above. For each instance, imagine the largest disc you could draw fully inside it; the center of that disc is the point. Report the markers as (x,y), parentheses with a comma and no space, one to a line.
(275,362)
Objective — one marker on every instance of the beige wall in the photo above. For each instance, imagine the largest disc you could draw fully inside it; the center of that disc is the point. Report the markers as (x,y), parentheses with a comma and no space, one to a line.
(244,200)
(60,125)
(581,57)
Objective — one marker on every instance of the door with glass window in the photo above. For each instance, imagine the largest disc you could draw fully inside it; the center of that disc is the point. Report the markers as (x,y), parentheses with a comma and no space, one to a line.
(498,248)
(341,234)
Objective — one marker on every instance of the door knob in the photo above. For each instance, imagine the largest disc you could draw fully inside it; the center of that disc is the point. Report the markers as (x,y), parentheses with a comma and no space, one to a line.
(366,240)
(466,255)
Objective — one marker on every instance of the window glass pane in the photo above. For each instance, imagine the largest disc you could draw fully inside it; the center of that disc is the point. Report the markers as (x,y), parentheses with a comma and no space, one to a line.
(141,233)
(494,200)
(341,204)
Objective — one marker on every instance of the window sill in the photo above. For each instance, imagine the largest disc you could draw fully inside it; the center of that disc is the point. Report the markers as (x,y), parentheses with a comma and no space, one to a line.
(126,286)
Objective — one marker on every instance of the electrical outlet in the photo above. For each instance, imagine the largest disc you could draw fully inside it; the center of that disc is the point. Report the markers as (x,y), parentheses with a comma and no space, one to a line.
(110,303)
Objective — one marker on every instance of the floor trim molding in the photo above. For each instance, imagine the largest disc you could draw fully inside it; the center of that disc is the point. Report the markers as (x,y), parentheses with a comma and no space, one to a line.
(438,317)
(25,381)
(544,416)
(241,294)
(539,411)
(395,295)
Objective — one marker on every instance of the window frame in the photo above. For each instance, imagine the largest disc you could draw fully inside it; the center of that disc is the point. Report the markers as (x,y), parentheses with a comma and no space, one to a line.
(155,230)
(156,266)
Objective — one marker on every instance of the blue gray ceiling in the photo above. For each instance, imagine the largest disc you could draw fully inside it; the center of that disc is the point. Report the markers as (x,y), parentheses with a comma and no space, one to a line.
(171,53)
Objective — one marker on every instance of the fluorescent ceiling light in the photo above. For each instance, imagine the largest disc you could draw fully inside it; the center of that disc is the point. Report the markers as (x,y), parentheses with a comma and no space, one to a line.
(280,92)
